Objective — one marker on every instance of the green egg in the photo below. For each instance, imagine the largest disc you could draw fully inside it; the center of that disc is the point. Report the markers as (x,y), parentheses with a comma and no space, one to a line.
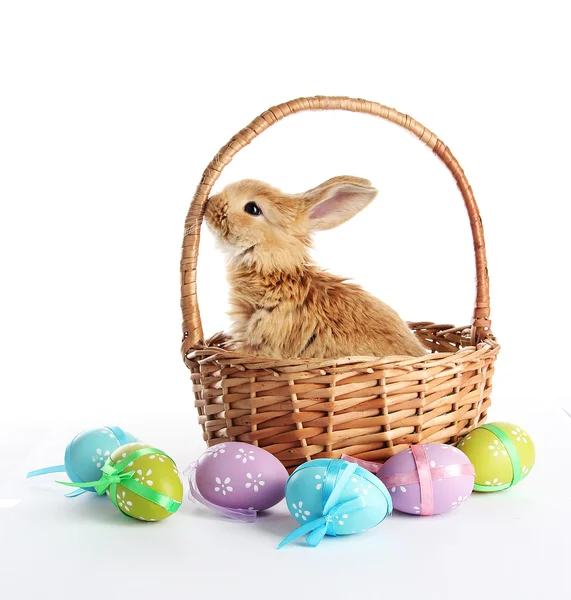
(502,454)
(154,471)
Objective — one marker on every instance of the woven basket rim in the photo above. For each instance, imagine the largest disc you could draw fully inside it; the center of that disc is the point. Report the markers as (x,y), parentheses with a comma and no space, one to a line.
(209,351)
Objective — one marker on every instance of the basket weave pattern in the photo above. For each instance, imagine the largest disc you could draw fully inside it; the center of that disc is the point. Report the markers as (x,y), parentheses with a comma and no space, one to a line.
(372,408)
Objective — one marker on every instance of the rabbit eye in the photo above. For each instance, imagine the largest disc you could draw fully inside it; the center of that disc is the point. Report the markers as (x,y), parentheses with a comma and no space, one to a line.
(253,209)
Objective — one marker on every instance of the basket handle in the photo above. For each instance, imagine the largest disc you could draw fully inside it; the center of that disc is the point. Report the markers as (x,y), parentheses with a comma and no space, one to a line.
(191,324)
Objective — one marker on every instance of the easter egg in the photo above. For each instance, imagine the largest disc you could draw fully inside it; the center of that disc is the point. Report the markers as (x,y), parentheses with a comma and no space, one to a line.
(502,454)
(428,479)
(151,489)
(235,475)
(334,497)
(86,454)
(88,451)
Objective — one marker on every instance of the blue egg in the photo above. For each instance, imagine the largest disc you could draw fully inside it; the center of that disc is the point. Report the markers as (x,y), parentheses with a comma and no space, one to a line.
(86,454)
(88,451)
(334,497)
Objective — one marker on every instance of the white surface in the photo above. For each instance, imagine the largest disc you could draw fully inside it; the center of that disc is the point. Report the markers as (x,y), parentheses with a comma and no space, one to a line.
(512,544)
(110,111)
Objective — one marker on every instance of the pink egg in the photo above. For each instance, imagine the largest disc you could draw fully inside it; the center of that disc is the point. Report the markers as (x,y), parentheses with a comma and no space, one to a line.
(241,476)
(444,482)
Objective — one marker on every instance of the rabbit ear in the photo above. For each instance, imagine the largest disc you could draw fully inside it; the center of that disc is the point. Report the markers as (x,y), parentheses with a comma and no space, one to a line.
(336,201)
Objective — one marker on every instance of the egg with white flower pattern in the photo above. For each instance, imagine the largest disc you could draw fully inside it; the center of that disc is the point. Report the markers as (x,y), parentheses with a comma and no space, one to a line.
(157,475)
(87,452)
(428,479)
(502,454)
(240,476)
(337,496)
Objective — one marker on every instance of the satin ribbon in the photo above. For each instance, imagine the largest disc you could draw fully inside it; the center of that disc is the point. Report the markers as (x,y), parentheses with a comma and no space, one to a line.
(331,478)
(119,434)
(56,469)
(513,455)
(335,481)
(68,468)
(436,473)
(46,471)
(239,514)
(372,467)
(77,492)
(114,474)
(425,480)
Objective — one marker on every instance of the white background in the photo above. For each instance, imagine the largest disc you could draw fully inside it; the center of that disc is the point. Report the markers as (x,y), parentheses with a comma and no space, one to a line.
(110,111)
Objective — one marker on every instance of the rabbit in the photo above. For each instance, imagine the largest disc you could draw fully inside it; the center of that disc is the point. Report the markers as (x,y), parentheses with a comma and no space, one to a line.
(283,305)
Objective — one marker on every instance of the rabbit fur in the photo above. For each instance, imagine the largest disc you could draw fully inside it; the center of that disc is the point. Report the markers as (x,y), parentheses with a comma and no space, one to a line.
(283,305)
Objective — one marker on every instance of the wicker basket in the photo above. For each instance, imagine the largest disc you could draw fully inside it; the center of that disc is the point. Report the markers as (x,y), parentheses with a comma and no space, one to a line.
(368,407)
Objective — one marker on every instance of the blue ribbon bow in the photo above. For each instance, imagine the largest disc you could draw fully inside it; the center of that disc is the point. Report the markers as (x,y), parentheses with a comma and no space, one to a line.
(67,468)
(333,487)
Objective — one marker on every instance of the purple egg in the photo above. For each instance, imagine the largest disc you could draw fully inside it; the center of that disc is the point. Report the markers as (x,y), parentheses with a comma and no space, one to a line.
(237,475)
(450,487)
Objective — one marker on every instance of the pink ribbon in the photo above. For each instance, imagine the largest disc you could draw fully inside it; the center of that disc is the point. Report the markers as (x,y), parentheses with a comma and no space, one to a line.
(239,514)
(425,480)
(436,473)
(372,467)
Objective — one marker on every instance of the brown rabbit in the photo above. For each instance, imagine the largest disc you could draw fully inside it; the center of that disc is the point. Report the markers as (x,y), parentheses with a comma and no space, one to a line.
(284,306)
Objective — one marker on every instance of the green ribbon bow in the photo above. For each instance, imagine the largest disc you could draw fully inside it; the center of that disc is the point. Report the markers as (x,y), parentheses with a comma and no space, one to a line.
(110,477)
(113,475)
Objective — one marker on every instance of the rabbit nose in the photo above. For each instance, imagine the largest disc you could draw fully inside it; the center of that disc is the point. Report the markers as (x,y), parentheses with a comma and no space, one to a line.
(216,215)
